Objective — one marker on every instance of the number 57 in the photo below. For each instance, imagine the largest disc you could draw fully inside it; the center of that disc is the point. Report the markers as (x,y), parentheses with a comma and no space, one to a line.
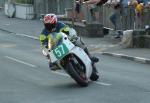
(60,51)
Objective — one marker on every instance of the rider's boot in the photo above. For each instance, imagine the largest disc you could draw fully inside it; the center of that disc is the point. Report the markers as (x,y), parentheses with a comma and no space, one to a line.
(53,66)
(94,75)
(93,59)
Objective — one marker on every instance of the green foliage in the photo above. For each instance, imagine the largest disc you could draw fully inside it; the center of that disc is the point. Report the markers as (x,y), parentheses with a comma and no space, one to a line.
(25,1)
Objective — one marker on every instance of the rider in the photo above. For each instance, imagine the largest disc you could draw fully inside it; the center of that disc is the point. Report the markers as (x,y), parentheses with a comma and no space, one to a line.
(51,31)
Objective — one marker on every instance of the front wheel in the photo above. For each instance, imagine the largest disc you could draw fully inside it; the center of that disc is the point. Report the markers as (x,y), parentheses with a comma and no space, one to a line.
(77,73)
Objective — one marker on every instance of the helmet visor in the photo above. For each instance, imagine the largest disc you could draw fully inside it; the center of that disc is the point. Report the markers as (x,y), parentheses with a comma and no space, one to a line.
(49,26)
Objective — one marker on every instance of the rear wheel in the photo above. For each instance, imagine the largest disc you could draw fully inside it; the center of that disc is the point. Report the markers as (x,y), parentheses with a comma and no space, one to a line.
(77,72)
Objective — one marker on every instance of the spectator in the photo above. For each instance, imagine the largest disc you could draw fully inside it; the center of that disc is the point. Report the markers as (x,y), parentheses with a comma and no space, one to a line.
(124,13)
(123,17)
(124,5)
(115,14)
(138,14)
(145,2)
(138,8)
(78,10)
(11,8)
(95,7)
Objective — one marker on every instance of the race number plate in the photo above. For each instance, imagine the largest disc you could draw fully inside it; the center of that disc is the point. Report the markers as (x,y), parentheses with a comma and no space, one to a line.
(60,51)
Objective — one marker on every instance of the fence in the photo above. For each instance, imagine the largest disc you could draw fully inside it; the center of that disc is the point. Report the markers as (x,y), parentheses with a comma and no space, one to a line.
(124,22)
(2,3)
(52,6)
(24,1)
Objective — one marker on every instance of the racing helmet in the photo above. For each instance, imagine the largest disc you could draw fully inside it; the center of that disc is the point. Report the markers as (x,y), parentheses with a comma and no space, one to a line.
(50,21)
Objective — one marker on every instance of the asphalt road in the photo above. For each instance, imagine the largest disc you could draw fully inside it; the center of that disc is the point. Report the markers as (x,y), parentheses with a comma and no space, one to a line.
(26,78)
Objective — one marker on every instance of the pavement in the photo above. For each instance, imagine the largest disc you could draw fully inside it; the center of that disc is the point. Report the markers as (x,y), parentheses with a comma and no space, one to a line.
(106,46)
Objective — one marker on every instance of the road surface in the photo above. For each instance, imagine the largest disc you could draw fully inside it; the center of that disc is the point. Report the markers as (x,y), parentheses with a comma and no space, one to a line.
(26,78)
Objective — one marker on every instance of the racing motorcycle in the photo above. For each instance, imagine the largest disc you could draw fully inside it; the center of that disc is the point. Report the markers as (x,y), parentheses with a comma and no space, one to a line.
(73,59)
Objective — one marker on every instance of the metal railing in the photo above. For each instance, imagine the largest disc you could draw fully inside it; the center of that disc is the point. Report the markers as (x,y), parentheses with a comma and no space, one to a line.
(52,6)
(24,1)
(2,3)
(124,22)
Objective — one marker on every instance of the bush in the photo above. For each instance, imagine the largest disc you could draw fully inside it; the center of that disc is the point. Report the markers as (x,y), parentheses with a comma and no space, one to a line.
(25,1)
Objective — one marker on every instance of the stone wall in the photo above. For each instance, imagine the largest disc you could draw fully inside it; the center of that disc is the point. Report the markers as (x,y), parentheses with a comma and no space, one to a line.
(141,38)
(88,30)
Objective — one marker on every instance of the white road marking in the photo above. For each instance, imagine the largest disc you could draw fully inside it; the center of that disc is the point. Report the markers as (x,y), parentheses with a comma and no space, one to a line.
(22,62)
(25,35)
(102,83)
(59,73)
(109,28)
(7,45)
(140,59)
(64,74)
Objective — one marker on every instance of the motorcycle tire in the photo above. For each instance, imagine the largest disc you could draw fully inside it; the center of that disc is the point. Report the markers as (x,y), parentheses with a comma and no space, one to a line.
(71,69)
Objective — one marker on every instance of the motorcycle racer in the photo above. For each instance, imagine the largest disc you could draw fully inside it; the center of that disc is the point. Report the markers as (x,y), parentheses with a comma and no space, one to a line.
(51,30)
